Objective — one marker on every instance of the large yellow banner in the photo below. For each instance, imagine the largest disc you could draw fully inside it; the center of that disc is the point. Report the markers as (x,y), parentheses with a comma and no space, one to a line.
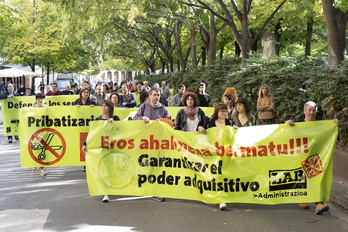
(52,136)
(270,164)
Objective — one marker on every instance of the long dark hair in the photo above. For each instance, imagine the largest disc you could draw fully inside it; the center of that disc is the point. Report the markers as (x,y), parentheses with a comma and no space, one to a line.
(111,107)
(245,102)
(231,98)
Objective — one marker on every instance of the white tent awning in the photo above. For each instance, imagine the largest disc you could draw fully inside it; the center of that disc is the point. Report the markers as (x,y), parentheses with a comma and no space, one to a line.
(15,72)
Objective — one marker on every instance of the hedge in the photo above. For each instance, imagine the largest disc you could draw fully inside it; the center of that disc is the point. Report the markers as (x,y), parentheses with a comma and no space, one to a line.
(293,81)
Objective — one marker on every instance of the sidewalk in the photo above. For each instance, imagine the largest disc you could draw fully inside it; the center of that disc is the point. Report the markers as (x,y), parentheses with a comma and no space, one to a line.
(339,194)
(339,190)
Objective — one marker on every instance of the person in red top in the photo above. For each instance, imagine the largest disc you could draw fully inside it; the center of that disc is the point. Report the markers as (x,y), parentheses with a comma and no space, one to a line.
(54,91)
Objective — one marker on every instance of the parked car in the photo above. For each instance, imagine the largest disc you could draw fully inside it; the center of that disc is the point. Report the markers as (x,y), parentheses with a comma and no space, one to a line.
(63,79)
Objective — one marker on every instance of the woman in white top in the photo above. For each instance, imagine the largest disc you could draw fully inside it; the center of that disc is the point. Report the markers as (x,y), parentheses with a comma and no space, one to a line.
(40,103)
(190,118)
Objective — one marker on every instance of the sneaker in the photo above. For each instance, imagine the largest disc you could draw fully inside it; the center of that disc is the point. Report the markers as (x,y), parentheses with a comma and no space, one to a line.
(320,208)
(10,140)
(159,199)
(34,169)
(42,172)
(304,205)
(106,199)
(222,206)
(16,137)
(84,168)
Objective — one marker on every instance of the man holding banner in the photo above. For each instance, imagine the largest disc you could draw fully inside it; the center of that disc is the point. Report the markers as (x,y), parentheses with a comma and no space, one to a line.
(310,111)
(152,110)
(10,93)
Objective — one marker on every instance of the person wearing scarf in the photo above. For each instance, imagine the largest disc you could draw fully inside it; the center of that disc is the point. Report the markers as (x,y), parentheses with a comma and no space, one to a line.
(190,118)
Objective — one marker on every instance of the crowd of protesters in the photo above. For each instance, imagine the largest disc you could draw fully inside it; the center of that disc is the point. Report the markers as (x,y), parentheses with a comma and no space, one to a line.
(232,111)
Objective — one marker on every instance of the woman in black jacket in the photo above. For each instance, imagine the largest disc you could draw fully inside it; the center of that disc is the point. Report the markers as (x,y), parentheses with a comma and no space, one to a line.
(190,118)
(84,99)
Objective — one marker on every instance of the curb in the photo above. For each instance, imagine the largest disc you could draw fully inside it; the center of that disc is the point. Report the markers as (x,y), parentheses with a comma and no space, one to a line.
(339,194)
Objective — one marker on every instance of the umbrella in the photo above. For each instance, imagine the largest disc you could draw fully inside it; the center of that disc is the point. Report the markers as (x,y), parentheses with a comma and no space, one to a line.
(15,72)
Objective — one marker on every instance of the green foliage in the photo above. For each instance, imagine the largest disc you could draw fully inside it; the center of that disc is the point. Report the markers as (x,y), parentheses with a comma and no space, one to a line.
(35,37)
(293,81)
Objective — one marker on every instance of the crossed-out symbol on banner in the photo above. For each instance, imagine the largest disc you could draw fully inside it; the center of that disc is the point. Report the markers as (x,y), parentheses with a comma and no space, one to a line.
(43,148)
(44,145)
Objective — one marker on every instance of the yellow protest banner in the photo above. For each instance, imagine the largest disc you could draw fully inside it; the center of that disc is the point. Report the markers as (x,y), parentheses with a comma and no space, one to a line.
(64,128)
(270,164)
(11,107)
(53,136)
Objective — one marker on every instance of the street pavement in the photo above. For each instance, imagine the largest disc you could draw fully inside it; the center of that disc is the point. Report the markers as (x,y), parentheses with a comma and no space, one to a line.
(60,201)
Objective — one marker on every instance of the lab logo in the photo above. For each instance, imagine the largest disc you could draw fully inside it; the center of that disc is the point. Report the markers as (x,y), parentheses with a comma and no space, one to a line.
(287,179)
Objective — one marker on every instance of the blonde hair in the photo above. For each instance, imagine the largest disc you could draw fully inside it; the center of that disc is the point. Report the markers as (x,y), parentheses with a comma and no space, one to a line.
(268,91)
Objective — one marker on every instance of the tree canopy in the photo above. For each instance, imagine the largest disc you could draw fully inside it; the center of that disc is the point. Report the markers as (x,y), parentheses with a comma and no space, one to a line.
(165,35)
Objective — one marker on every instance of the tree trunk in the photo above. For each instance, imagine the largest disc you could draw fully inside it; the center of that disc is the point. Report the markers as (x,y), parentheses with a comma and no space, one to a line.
(336,22)
(149,66)
(204,55)
(237,50)
(309,34)
(193,48)
(254,45)
(170,67)
(163,63)
(278,34)
(48,73)
(32,65)
(212,41)
(221,52)
(181,61)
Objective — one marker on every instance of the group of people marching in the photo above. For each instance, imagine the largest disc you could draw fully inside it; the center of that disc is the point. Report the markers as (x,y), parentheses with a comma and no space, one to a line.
(231,111)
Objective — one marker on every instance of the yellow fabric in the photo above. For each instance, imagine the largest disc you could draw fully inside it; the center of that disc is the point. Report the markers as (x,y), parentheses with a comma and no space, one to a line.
(60,125)
(260,164)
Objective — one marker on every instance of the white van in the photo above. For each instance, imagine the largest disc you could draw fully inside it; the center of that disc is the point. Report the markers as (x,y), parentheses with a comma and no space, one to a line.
(63,79)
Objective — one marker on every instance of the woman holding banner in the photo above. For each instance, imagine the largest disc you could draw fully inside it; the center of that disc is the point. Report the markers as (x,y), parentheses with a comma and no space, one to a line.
(107,108)
(190,118)
(220,118)
(40,98)
(84,99)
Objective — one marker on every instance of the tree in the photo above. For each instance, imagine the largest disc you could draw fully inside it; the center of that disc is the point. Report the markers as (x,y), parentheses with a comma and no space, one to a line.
(336,24)
(243,35)
(35,38)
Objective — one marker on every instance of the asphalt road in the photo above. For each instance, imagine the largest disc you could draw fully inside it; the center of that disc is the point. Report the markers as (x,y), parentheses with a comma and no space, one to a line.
(60,202)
